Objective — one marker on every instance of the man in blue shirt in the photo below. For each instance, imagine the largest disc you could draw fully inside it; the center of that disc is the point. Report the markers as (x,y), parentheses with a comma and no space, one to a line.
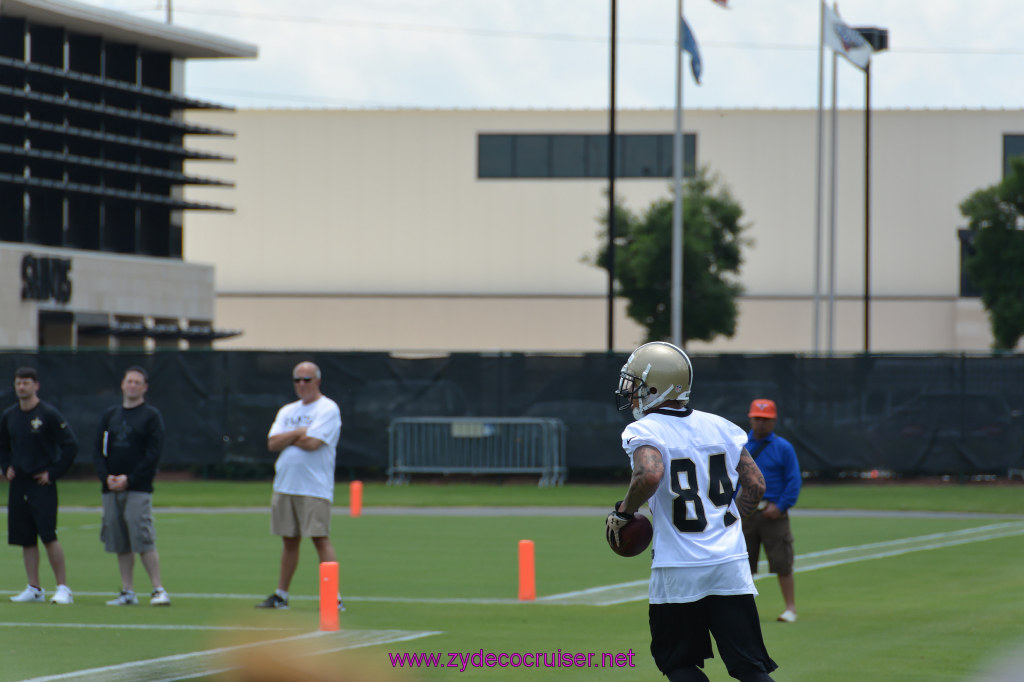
(769,525)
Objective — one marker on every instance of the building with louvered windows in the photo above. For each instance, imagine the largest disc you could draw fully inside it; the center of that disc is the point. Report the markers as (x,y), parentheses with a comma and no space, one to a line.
(92,154)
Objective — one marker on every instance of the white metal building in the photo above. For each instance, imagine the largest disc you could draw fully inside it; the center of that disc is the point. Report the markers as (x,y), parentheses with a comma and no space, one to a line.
(469,230)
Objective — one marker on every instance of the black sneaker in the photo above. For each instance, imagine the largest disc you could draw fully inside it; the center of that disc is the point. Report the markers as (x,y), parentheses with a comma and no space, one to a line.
(273,602)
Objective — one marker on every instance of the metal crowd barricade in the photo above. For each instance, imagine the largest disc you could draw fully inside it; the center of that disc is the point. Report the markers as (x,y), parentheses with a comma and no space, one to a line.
(476,445)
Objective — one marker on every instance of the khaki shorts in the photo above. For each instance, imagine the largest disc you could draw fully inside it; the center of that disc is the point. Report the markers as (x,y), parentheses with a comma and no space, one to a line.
(128,522)
(777,540)
(292,516)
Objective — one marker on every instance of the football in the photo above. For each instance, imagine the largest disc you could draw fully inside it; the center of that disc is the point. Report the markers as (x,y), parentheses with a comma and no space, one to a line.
(634,537)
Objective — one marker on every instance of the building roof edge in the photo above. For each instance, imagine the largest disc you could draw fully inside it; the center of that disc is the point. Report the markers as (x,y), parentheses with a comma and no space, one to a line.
(181,42)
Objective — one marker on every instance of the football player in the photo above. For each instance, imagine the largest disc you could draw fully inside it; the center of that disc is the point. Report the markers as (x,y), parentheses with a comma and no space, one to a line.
(687,466)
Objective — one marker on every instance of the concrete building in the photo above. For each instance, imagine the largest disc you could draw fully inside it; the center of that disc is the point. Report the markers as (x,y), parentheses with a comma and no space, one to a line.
(450,230)
(91,175)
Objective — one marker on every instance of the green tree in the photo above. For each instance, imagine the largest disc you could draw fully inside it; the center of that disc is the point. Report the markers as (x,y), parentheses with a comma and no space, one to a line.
(712,245)
(995,216)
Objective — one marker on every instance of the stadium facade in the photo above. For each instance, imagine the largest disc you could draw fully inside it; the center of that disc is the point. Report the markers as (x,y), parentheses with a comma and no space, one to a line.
(471,230)
(92,179)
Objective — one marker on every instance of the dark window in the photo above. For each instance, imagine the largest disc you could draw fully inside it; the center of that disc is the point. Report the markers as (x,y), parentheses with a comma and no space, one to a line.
(84,55)
(12,38)
(12,213)
(597,157)
(119,61)
(580,156)
(639,156)
(494,156)
(1013,145)
(568,156)
(532,158)
(47,45)
(666,153)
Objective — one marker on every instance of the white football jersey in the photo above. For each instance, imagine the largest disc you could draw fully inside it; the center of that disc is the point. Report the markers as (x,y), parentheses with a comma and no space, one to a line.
(696,521)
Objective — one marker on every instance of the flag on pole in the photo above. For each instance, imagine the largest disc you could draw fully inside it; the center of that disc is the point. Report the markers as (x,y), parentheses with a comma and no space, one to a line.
(721,3)
(845,40)
(690,45)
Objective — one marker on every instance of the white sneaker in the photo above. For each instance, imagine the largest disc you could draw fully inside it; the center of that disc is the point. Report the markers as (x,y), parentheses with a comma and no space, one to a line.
(30,594)
(160,598)
(787,616)
(62,596)
(126,598)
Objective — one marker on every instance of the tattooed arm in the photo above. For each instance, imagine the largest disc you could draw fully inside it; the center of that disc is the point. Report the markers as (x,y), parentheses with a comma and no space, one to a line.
(753,485)
(648,470)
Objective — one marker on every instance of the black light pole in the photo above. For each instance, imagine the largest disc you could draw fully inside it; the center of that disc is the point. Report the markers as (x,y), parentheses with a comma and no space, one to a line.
(867,209)
(611,194)
(878,38)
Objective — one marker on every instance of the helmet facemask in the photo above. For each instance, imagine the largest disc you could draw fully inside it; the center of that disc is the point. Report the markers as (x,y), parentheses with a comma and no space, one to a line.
(629,386)
(636,394)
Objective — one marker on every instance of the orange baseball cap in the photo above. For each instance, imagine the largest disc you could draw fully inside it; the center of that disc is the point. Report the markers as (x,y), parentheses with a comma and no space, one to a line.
(762,407)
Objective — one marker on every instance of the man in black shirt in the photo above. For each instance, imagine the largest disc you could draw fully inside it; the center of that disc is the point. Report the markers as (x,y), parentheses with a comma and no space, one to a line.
(36,448)
(128,446)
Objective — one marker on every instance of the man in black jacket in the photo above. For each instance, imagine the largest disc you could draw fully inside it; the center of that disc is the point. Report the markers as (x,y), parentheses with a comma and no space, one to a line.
(128,446)
(36,448)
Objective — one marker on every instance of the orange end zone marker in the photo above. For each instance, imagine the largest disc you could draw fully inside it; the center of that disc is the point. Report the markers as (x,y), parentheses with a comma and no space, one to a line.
(329,596)
(355,498)
(527,582)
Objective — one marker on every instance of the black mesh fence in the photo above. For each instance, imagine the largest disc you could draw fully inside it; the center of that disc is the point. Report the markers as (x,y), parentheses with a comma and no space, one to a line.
(905,414)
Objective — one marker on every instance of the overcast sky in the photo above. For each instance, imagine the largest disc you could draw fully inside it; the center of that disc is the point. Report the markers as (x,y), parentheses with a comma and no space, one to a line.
(555,53)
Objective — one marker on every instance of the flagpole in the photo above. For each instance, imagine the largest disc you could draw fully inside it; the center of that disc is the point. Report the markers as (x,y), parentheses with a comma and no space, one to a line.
(611,185)
(832,212)
(856,48)
(818,171)
(677,201)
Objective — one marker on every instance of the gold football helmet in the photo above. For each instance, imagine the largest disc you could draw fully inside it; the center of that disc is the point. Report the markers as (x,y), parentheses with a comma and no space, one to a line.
(655,372)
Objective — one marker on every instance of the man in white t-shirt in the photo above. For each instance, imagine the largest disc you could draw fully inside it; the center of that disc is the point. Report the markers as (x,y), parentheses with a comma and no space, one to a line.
(306,434)
(686,466)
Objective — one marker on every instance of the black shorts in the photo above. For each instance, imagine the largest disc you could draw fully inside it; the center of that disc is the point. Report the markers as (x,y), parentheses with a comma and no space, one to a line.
(31,512)
(681,634)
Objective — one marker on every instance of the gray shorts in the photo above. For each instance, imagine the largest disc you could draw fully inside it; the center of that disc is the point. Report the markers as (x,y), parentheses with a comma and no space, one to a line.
(292,516)
(128,522)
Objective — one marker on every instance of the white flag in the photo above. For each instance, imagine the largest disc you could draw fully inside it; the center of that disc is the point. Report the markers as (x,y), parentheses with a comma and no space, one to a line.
(844,40)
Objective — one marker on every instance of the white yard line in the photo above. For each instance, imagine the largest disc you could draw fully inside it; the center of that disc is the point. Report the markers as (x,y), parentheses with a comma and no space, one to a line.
(213,661)
(637,590)
(139,626)
(599,512)
(202,663)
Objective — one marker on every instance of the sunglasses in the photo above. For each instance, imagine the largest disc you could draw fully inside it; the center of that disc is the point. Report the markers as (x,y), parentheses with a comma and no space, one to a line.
(304,379)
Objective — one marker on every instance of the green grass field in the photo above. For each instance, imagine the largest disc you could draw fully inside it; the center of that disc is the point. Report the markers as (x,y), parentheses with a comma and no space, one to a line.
(898,609)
